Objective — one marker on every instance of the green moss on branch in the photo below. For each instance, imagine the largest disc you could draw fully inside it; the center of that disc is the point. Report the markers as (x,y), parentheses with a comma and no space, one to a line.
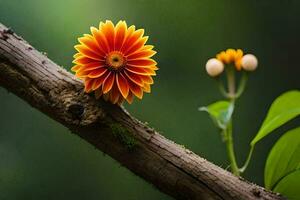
(123,135)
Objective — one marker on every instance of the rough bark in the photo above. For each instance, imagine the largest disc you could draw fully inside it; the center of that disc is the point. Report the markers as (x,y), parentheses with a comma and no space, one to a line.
(170,167)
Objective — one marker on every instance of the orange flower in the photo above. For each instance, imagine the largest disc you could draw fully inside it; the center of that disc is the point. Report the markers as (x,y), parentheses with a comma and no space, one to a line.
(114,62)
(231,56)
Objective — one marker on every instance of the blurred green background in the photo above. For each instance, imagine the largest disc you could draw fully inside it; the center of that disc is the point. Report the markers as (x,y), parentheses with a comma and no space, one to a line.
(40,159)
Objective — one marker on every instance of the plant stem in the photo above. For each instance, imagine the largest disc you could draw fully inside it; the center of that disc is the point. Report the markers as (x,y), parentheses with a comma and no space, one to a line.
(242,85)
(244,167)
(230,150)
(231,82)
(232,95)
(221,88)
(228,131)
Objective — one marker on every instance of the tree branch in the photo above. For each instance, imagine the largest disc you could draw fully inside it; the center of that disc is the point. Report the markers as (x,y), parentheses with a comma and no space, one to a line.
(173,169)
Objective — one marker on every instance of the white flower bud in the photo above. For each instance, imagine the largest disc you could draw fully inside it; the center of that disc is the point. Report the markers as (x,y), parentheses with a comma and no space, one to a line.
(214,67)
(249,62)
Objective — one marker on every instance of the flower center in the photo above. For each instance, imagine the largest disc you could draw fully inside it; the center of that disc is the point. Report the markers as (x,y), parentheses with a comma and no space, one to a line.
(115,60)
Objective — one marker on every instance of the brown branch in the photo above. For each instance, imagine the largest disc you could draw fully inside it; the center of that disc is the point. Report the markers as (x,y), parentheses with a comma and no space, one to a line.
(173,169)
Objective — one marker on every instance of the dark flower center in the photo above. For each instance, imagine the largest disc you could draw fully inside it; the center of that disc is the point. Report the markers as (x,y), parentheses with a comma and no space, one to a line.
(115,60)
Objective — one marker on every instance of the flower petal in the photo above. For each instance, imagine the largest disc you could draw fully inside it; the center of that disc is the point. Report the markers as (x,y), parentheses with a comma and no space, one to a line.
(153,67)
(146,88)
(101,40)
(129,98)
(132,39)
(122,85)
(135,89)
(82,74)
(137,70)
(75,68)
(121,29)
(148,47)
(137,45)
(141,54)
(97,72)
(108,30)
(150,71)
(92,66)
(87,52)
(239,54)
(76,55)
(238,64)
(99,81)
(88,85)
(114,94)
(134,78)
(142,62)
(108,82)
(230,55)
(91,43)
(141,70)
(147,79)
(222,57)
(83,60)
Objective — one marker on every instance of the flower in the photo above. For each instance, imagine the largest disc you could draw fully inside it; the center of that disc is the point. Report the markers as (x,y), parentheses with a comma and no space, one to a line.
(114,62)
(231,56)
(249,62)
(214,67)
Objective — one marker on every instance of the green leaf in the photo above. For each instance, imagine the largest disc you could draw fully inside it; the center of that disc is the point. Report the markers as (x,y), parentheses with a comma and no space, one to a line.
(220,112)
(289,186)
(283,109)
(283,159)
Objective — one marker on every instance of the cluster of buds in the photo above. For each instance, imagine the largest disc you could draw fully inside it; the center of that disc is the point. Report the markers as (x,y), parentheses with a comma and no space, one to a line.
(215,66)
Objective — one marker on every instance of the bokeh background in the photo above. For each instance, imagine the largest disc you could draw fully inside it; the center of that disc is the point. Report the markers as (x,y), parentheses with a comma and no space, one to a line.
(40,159)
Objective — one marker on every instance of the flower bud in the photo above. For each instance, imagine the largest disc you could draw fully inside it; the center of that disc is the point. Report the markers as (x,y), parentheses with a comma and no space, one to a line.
(249,62)
(214,67)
